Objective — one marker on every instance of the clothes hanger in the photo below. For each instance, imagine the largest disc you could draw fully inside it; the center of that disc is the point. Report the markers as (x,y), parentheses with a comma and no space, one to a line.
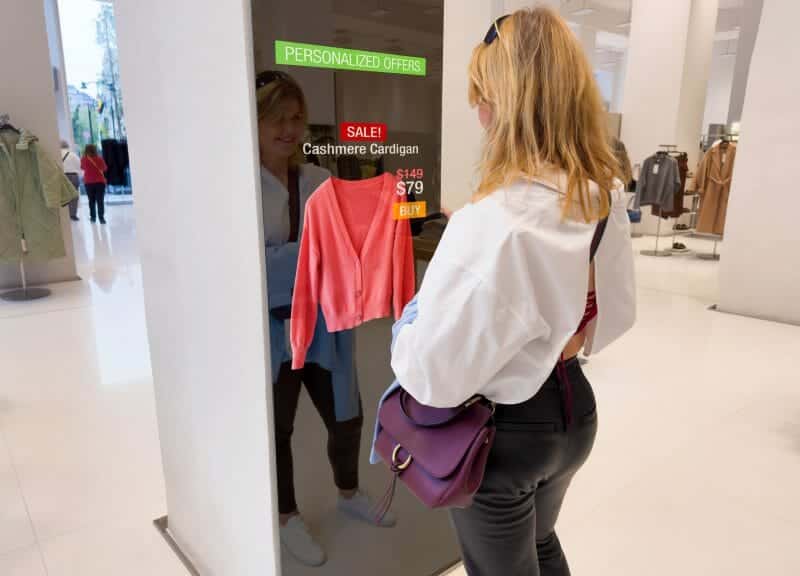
(5,123)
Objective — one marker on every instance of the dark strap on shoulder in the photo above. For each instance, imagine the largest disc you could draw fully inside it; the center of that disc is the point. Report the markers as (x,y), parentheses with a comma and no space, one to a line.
(294,204)
(598,232)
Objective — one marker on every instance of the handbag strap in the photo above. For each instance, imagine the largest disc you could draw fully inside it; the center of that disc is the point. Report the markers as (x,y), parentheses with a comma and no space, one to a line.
(294,204)
(97,167)
(599,231)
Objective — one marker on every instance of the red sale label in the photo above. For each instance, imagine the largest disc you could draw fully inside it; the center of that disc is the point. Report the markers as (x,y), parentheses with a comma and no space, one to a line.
(362,132)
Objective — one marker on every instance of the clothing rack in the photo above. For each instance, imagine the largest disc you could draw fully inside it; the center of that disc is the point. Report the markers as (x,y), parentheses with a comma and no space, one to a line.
(714,255)
(24,293)
(670,150)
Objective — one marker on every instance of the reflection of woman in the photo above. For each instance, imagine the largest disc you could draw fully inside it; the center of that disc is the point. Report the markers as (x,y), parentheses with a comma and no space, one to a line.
(94,178)
(511,295)
(329,373)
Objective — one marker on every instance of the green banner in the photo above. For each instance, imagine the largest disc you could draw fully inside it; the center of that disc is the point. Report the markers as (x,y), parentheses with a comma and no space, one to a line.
(318,56)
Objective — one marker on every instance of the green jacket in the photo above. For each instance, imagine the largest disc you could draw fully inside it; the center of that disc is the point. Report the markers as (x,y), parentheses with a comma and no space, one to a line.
(33,188)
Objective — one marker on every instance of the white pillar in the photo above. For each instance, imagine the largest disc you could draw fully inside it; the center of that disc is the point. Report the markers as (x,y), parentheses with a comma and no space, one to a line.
(27,93)
(759,275)
(749,24)
(669,55)
(189,101)
(696,72)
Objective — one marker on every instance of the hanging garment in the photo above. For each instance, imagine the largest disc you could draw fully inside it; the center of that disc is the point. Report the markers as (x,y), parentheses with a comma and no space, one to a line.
(676,209)
(713,182)
(356,261)
(659,180)
(32,190)
(332,351)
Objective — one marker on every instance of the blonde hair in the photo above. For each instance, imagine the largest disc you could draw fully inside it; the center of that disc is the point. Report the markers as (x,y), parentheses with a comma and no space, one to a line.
(268,98)
(547,111)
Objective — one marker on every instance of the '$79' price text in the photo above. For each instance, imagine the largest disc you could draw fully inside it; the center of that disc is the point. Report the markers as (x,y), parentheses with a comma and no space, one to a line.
(409,181)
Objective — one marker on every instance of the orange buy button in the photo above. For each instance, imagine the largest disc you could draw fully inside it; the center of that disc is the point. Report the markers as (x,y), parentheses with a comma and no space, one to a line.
(409,210)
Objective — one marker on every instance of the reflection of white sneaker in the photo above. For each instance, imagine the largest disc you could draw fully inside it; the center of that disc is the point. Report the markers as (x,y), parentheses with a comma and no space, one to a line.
(362,507)
(299,541)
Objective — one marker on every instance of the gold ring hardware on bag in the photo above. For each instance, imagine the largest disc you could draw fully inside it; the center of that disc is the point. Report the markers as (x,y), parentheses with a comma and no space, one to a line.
(402,465)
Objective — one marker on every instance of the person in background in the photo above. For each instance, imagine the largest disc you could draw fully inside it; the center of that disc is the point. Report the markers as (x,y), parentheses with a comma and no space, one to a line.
(94,178)
(72,170)
(512,294)
(329,375)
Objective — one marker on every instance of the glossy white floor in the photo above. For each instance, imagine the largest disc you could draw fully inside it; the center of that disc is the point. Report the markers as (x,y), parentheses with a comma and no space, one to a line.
(694,472)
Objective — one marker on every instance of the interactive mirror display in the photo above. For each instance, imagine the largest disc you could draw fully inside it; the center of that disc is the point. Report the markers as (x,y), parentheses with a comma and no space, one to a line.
(349,125)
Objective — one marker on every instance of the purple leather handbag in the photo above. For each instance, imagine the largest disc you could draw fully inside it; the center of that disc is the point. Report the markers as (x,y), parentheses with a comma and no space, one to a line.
(440,454)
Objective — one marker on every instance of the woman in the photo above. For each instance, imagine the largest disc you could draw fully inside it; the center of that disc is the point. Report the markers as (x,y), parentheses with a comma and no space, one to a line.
(511,296)
(329,372)
(94,179)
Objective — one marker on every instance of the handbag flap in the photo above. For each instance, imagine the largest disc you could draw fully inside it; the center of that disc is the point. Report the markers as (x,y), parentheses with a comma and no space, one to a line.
(440,449)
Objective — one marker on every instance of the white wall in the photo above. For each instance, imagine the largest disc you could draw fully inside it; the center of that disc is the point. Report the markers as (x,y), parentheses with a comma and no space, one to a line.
(190,65)
(57,62)
(720,84)
(749,20)
(27,94)
(619,84)
(759,274)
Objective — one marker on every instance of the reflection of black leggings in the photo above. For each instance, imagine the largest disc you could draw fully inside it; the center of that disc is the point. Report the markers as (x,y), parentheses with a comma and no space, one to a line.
(510,527)
(97,200)
(344,438)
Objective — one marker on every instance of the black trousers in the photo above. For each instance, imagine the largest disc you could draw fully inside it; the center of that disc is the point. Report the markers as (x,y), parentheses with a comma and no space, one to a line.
(344,438)
(97,200)
(510,528)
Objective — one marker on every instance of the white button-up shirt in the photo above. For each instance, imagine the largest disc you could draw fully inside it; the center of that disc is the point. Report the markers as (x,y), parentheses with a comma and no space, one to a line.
(505,292)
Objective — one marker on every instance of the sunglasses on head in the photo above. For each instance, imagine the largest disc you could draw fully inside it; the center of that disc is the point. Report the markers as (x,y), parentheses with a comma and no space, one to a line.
(270,76)
(494,30)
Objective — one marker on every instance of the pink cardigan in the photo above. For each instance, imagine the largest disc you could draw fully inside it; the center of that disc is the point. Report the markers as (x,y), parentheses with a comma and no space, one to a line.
(355,260)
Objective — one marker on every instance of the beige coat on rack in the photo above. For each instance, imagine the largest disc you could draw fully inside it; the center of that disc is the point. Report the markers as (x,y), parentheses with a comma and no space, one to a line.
(713,182)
